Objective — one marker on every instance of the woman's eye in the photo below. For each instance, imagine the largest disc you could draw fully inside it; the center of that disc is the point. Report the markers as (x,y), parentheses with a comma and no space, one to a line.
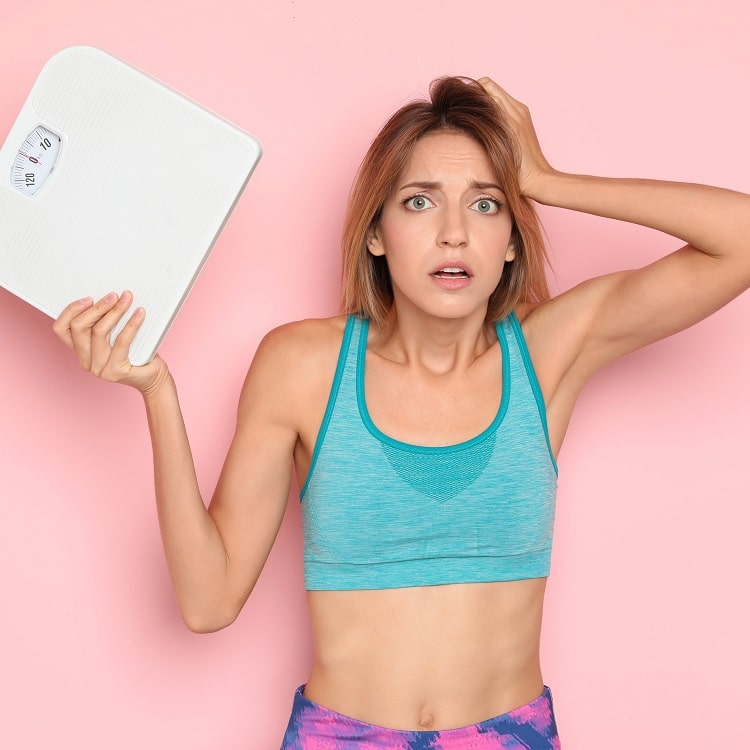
(418,203)
(486,206)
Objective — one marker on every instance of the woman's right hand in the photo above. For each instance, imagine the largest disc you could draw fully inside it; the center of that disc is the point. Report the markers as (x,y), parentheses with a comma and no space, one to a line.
(86,327)
(534,167)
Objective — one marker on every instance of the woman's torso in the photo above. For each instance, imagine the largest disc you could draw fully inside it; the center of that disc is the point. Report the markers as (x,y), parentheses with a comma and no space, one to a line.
(420,657)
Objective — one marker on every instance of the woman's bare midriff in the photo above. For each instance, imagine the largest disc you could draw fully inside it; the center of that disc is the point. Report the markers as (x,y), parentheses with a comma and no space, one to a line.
(436,657)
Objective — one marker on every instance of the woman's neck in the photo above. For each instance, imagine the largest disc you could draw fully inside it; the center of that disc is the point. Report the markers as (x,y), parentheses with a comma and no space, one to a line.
(438,345)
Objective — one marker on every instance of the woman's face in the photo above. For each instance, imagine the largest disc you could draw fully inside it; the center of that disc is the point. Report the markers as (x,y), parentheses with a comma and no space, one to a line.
(445,230)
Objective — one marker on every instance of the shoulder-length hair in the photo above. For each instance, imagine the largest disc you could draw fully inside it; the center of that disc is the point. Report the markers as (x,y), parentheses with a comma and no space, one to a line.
(455,104)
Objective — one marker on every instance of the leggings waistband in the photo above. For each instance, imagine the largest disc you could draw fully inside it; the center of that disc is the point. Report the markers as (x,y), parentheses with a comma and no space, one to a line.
(314,727)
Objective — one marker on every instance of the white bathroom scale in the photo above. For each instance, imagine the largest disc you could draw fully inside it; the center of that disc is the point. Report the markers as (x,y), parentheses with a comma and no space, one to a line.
(109,181)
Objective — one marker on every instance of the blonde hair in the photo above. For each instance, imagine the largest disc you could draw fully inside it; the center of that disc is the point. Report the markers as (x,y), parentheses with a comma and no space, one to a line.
(456,104)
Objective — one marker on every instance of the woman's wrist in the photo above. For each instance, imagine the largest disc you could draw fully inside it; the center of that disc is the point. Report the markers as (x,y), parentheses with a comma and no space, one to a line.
(545,186)
(162,382)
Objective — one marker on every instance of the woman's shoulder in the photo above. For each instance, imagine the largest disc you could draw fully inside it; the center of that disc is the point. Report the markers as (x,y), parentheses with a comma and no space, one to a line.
(305,338)
(301,351)
(294,366)
(292,371)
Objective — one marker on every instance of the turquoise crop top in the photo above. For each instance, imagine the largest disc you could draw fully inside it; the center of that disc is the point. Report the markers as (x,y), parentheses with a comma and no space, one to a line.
(380,514)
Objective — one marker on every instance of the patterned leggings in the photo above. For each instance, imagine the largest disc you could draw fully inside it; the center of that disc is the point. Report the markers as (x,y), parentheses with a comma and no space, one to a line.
(530,727)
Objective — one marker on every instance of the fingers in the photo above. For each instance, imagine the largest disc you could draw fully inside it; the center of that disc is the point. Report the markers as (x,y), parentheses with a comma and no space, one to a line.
(502,97)
(82,329)
(86,328)
(121,347)
(98,337)
(490,86)
(533,166)
(61,326)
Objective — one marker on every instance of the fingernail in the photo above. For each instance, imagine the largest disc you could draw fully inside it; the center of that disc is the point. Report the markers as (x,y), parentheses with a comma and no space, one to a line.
(111,297)
(85,301)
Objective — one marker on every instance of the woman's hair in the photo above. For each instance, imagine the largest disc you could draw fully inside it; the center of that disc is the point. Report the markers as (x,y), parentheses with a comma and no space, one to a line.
(455,104)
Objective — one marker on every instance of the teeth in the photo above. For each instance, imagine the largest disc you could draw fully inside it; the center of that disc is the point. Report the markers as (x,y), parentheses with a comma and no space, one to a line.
(451,271)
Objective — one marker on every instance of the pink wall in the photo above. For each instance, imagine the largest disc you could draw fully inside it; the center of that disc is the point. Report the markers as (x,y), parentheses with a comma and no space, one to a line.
(647,619)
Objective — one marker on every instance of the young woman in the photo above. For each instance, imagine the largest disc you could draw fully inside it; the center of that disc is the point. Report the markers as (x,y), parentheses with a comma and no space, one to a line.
(423,424)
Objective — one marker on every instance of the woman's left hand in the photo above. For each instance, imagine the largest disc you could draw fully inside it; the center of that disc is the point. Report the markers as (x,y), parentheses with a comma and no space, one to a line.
(534,167)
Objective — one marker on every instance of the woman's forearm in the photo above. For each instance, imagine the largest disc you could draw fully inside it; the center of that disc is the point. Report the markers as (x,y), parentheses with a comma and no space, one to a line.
(713,220)
(195,553)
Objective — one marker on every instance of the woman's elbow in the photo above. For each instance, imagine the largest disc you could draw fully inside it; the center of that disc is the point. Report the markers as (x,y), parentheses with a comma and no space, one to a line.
(208,621)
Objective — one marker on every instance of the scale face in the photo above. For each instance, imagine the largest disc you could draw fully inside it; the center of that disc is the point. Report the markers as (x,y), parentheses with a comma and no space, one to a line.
(35,160)
(110,180)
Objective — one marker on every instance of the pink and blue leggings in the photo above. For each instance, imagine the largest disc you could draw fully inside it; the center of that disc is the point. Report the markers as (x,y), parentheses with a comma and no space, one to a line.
(313,727)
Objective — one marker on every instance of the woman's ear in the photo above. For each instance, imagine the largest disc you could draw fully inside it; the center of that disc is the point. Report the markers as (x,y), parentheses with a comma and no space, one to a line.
(373,241)
(510,253)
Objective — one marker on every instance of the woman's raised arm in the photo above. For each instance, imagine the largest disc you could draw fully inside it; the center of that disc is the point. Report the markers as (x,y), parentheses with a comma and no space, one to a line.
(214,556)
(615,314)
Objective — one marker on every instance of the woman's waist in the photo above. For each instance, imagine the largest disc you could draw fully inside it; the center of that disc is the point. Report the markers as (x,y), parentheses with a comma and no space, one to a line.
(434,701)
(440,655)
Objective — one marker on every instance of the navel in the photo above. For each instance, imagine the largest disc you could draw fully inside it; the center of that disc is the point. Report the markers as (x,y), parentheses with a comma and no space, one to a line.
(426,719)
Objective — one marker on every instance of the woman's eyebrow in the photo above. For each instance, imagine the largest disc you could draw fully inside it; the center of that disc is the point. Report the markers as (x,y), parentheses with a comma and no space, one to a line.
(422,185)
(486,186)
(475,185)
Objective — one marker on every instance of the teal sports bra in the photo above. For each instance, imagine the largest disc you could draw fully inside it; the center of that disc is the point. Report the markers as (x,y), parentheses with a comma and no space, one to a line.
(379,513)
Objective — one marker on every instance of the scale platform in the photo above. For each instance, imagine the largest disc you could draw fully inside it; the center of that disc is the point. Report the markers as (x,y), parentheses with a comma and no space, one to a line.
(109,180)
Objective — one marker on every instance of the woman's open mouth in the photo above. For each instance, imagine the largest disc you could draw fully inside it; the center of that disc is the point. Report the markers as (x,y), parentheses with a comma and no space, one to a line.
(450,272)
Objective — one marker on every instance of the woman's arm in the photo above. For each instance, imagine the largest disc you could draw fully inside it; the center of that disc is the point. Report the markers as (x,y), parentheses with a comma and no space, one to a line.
(615,314)
(214,556)
(630,309)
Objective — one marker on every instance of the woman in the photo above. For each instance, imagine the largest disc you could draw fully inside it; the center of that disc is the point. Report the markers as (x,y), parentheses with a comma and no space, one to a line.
(423,424)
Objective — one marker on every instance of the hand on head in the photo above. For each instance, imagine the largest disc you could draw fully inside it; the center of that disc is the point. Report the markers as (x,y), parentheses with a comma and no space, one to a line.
(533,165)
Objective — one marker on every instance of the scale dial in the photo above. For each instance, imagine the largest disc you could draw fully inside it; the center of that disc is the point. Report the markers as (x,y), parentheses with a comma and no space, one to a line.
(35,160)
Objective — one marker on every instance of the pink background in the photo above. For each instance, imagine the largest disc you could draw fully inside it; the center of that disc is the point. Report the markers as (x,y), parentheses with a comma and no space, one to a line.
(645,640)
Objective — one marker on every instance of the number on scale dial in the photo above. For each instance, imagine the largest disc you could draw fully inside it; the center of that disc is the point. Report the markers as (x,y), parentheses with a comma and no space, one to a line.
(35,160)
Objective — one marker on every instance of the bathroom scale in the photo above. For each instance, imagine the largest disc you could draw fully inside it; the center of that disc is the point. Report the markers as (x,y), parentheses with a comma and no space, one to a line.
(110,180)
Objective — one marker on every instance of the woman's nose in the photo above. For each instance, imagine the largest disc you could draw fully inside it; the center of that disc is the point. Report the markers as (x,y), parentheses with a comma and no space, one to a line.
(452,231)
